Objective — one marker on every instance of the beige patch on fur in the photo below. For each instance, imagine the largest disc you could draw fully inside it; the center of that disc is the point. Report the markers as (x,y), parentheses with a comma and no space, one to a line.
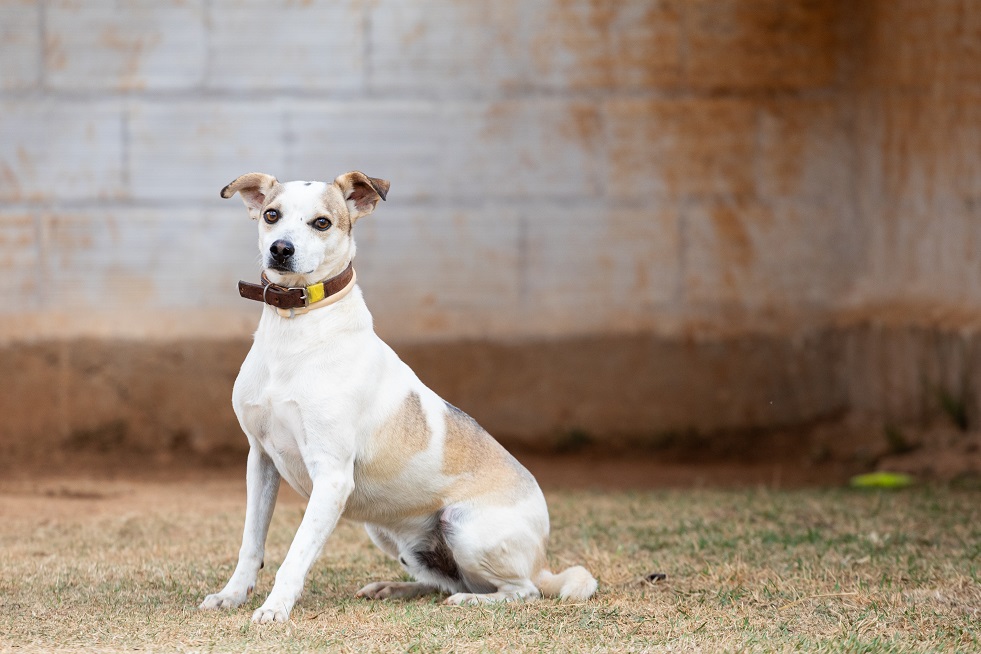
(376,494)
(271,195)
(478,464)
(336,209)
(403,435)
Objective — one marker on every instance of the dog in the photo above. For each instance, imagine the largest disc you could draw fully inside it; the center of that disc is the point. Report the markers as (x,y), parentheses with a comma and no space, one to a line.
(330,408)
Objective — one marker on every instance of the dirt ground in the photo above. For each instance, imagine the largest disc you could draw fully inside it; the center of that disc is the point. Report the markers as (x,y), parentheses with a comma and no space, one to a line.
(570,471)
(101,485)
(821,457)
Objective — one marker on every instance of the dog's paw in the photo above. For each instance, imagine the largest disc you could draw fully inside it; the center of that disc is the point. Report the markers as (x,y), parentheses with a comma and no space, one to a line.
(376,590)
(388,589)
(381,590)
(463,599)
(475,599)
(271,612)
(223,601)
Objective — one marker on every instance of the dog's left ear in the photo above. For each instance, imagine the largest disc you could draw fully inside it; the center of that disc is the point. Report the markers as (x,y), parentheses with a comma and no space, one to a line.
(361,192)
(254,188)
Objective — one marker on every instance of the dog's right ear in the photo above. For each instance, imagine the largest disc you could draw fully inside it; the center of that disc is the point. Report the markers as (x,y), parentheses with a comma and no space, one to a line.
(254,188)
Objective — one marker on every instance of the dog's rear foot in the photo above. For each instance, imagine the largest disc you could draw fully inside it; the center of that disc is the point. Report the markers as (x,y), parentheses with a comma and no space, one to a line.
(395,589)
(224,600)
(475,599)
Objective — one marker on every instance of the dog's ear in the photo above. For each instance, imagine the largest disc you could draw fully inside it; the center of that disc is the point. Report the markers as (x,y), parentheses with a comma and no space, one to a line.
(254,188)
(361,192)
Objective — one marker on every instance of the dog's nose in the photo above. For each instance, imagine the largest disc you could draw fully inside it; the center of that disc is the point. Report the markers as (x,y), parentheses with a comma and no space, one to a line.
(282,249)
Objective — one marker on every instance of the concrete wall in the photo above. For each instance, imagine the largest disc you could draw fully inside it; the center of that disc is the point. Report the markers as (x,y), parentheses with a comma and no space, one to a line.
(917,106)
(735,181)
(558,167)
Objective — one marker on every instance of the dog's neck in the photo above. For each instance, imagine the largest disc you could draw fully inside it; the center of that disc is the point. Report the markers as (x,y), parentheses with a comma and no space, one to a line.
(322,274)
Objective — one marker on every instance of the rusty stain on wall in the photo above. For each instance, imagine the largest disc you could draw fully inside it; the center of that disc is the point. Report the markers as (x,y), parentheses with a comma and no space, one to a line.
(602,45)
(737,249)
(54,55)
(761,44)
(131,49)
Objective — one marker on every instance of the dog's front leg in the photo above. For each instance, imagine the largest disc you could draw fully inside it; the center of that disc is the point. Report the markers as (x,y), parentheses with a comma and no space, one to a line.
(330,493)
(262,485)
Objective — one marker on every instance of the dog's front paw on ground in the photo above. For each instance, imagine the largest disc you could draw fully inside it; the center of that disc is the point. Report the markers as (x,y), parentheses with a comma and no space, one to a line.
(271,612)
(223,601)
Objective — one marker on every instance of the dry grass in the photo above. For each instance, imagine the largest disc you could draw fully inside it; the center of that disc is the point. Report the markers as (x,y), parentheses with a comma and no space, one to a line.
(101,566)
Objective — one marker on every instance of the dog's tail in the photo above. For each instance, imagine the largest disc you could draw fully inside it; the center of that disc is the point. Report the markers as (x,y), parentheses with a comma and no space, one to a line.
(574,583)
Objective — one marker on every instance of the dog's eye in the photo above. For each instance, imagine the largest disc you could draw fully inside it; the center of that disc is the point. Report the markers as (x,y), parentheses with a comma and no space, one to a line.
(270,216)
(323,224)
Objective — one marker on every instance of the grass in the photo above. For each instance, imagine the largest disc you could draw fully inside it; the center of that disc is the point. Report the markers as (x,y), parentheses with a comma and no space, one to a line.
(122,566)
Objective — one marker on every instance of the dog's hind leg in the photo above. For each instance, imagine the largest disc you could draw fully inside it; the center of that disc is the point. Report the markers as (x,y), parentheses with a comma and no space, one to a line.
(396,589)
(522,590)
(503,548)
(391,589)
(498,551)
(383,540)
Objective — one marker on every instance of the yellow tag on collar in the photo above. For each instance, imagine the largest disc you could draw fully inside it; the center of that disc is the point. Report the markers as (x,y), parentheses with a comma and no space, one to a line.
(315,293)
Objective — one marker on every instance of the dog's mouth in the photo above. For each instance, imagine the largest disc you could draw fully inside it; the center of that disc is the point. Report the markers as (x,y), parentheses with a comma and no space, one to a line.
(286,267)
(289,277)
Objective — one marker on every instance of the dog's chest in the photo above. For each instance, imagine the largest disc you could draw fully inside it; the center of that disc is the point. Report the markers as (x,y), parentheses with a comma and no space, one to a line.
(272,412)
(276,423)
(290,397)
(287,439)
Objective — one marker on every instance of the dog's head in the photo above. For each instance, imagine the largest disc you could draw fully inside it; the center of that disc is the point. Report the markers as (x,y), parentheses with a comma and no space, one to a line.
(305,227)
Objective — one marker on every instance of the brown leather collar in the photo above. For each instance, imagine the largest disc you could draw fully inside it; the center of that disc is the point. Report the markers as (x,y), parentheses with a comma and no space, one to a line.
(283,297)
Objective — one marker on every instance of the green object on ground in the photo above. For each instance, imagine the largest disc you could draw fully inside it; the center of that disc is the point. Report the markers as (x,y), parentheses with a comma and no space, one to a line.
(882,480)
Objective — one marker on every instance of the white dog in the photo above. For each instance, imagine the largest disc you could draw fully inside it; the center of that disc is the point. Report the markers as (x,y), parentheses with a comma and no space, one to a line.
(331,408)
